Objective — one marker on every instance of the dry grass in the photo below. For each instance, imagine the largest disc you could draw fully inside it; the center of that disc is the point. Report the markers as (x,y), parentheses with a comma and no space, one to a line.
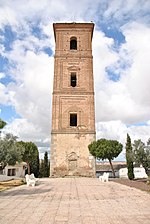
(4,185)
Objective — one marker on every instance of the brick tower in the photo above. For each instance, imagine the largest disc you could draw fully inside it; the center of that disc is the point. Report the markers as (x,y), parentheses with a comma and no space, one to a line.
(73,115)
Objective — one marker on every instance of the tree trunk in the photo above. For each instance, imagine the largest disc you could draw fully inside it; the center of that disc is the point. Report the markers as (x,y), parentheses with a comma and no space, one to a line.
(28,168)
(112,168)
(146,170)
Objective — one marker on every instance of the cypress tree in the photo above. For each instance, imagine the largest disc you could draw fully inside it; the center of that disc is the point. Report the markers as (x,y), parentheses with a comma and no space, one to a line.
(129,158)
(46,165)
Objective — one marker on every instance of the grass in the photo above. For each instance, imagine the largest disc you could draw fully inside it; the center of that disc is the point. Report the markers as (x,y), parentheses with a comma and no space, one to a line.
(5,185)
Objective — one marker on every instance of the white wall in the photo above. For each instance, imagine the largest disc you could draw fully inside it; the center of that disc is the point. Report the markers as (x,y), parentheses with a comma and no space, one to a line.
(19,170)
(139,172)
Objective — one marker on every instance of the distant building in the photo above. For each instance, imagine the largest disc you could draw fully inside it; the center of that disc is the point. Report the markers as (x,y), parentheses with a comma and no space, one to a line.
(120,169)
(17,170)
(102,167)
(139,172)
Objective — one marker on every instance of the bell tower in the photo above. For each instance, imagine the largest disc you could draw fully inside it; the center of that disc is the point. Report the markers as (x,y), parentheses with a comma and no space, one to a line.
(73,115)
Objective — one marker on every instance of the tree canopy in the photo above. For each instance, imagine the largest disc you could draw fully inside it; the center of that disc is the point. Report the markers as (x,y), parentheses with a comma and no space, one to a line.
(35,165)
(10,152)
(105,149)
(141,154)
(30,154)
(2,123)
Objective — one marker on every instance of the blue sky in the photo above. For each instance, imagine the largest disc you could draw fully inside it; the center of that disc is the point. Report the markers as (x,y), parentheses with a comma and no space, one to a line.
(121,53)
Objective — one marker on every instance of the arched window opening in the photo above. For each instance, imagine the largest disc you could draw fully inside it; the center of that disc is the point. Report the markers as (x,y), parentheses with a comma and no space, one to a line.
(73,119)
(73,80)
(73,43)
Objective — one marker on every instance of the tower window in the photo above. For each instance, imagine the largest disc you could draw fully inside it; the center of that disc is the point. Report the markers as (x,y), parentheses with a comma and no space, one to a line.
(73,43)
(73,119)
(73,79)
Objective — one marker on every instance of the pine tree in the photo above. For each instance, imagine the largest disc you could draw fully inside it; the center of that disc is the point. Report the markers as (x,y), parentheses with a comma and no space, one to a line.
(129,158)
(105,149)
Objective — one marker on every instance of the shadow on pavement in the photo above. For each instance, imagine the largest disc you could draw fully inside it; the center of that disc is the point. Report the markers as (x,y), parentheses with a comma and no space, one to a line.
(40,188)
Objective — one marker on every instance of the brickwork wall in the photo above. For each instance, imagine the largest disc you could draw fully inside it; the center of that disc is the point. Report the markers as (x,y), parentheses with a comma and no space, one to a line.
(65,140)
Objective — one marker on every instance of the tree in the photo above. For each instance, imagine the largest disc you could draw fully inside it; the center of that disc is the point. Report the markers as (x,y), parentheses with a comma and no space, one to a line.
(10,152)
(30,154)
(2,123)
(46,165)
(35,165)
(41,168)
(141,153)
(106,149)
(129,158)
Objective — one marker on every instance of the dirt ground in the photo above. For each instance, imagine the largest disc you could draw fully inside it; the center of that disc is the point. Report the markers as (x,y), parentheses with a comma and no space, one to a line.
(138,183)
(4,185)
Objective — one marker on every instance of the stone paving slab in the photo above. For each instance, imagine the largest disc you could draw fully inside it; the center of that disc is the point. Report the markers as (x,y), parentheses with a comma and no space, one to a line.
(74,201)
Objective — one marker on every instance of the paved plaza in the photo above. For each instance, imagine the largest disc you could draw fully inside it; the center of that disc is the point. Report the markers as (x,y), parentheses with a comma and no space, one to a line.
(74,201)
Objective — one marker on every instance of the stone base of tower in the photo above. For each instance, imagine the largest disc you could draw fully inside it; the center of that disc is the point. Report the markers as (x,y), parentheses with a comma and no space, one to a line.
(70,155)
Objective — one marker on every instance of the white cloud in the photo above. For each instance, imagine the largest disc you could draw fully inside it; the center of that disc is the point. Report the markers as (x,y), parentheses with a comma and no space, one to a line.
(103,56)
(137,46)
(121,10)
(117,130)
(128,99)
(112,130)
(7,16)
(19,14)
(32,89)
(2,75)
(27,131)
(148,122)
(4,95)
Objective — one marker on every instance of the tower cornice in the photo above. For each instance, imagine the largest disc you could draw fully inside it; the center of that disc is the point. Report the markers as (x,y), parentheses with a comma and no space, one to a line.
(73,25)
